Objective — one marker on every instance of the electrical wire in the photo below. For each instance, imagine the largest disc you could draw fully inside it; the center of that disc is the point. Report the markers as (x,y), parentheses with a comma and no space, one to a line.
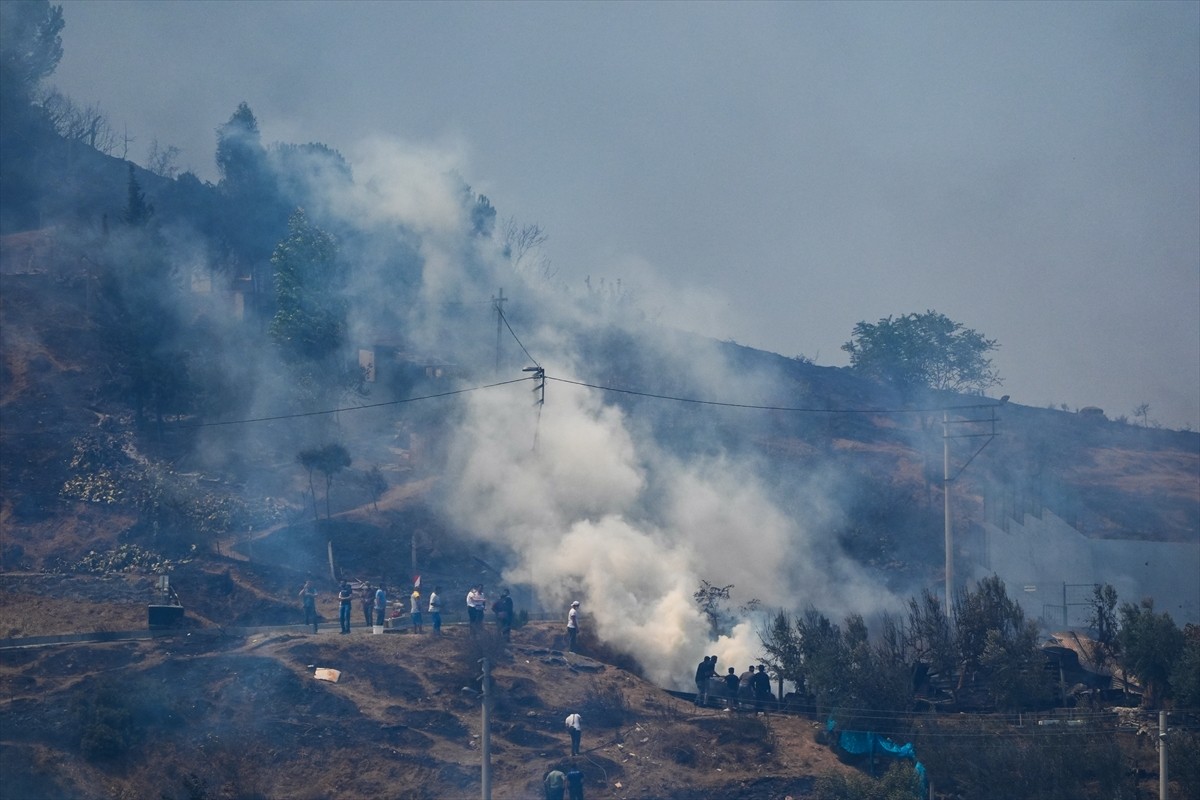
(350,408)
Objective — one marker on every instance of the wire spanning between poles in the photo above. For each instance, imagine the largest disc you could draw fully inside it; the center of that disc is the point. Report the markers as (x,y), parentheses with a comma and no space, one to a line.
(538,375)
(516,338)
(349,408)
(754,407)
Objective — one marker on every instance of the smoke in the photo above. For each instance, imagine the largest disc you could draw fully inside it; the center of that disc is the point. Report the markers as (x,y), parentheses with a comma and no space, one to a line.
(625,504)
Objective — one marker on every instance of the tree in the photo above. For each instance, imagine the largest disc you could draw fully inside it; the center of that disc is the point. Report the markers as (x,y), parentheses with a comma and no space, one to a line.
(1103,622)
(993,637)
(30,48)
(1150,645)
(711,601)
(240,153)
(781,644)
(137,210)
(329,460)
(309,321)
(929,350)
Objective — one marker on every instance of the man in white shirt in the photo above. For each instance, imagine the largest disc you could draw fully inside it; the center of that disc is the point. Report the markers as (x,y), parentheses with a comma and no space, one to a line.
(575,727)
(572,625)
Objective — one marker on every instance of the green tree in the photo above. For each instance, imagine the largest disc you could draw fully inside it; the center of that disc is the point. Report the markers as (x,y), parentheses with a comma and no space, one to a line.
(1185,675)
(782,651)
(309,323)
(928,350)
(928,635)
(30,49)
(137,210)
(712,601)
(994,639)
(1150,645)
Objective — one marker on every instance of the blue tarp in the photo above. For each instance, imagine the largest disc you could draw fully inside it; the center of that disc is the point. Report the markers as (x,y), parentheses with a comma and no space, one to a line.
(865,742)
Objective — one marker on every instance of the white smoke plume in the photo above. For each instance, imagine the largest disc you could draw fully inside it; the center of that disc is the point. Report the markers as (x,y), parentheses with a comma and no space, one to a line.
(589,504)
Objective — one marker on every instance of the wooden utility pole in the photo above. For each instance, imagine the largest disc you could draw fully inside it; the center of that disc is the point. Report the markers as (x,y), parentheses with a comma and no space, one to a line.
(498,301)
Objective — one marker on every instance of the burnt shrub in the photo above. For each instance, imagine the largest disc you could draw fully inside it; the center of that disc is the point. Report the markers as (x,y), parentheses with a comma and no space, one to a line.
(106,726)
(604,706)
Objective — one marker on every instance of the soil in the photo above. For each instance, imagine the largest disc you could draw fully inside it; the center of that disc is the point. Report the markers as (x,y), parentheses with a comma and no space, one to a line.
(202,712)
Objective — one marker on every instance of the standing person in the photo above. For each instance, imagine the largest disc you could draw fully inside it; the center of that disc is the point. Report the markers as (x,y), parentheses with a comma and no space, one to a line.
(476,606)
(415,611)
(572,625)
(745,687)
(435,610)
(574,783)
(704,671)
(368,603)
(554,782)
(762,687)
(504,612)
(731,687)
(380,605)
(345,598)
(308,597)
(574,725)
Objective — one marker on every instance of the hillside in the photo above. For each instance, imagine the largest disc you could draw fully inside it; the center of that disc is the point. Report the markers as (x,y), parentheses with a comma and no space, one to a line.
(204,714)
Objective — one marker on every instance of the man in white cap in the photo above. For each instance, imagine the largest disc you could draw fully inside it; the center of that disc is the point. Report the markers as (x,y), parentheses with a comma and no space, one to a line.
(572,625)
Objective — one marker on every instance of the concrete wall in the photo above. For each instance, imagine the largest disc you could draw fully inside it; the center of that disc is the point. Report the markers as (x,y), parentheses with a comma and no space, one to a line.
(1039,558)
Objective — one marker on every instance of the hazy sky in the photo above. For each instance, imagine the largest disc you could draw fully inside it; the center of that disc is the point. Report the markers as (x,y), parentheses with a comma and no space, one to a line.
(770,173)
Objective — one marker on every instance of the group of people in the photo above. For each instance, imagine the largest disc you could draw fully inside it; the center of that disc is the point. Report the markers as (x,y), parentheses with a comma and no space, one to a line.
(752,686)
(374,603)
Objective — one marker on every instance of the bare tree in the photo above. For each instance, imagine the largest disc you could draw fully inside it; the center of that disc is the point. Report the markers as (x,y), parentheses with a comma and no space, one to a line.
(523,247)
(163,161)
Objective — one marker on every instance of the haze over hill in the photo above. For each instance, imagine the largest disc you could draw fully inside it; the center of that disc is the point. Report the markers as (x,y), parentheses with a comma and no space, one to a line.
(770,173)
(624,500)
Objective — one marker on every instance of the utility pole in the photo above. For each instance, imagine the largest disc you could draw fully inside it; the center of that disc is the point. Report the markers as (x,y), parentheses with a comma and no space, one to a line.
(947,519)
(498,302)
(486,736)
(987,434)
(1162,755)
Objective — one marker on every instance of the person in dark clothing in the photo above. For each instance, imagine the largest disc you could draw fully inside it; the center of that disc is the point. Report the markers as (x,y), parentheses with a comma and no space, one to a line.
(574,783)
(731,687)
(308,596)
(345,600)
(368,603)
(761,683)
(503,609)
(704,671)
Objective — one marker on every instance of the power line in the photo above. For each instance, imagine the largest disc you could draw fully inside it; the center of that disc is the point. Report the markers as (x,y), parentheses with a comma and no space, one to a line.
(754,407)
(349,408)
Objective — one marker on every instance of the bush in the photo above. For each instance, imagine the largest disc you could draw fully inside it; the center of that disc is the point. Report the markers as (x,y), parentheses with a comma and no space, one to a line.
(604,707)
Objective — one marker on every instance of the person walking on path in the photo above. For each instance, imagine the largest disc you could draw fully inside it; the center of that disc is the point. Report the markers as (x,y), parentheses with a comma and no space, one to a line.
(380,605)
(574,783)
(415,611)
(368,603)
(554,783)
(308,597)
(345,599)
(572,625)
(435,610)
(574,725)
